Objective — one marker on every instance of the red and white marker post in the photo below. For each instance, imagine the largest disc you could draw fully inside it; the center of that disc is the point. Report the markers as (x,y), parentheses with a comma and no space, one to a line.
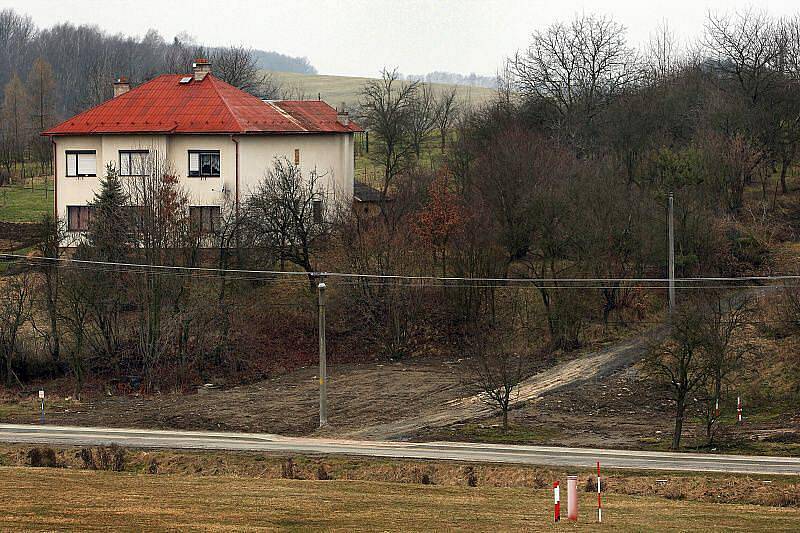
(739,409)
(599,502)
(557,498)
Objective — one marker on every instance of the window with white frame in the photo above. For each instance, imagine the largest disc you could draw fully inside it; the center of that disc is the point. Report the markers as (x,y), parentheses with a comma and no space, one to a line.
(133,162)
(204,163)
(81,163)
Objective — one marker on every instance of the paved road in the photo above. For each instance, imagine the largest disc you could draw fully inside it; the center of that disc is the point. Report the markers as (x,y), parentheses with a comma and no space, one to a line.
(455,451)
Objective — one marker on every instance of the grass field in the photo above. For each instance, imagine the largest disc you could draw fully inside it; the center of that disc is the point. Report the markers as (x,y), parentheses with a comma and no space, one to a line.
(337,89)
(47,499)
(19,203)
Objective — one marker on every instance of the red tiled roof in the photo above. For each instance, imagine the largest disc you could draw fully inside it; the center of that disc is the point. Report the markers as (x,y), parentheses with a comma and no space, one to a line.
(164,105)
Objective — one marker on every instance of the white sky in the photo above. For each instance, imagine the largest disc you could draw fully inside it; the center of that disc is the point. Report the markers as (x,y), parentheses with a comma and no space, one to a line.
(358,37)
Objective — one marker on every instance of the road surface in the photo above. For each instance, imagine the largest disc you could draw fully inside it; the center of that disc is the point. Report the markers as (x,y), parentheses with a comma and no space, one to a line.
(449,451)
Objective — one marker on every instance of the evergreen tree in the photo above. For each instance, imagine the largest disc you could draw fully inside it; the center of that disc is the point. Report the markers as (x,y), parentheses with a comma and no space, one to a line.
(108,237)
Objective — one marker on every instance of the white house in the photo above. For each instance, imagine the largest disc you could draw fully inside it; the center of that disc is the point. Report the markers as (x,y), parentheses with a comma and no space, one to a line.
(215,137)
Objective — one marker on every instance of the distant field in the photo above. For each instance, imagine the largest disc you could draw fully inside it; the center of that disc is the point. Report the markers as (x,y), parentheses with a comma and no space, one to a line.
(337,89)
(54,499)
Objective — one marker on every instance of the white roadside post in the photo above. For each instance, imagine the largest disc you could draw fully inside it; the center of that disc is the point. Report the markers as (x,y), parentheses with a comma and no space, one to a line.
(323,370)
(41,399)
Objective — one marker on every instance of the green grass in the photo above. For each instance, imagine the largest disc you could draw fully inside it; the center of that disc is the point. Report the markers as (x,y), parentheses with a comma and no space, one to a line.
(19,203)
(337,89)
(51,499)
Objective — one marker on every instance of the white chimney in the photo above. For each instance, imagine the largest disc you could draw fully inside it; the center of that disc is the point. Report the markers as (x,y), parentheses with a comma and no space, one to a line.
(121,86)
(342,116)
(201,67)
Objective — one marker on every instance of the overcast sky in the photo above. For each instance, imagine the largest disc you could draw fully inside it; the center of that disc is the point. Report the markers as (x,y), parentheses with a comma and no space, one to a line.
(358,37)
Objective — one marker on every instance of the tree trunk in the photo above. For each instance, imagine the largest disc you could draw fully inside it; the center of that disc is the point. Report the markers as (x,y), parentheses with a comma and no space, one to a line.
(679,412)
(785,162)
(505,418)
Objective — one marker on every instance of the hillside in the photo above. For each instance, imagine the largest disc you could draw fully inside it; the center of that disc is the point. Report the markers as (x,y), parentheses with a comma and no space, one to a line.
(337,89)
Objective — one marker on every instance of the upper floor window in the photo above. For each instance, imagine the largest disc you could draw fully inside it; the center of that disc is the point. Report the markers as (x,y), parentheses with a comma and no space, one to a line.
(79,217)
(297,156)
(204,163)
(81,163)
(133,162)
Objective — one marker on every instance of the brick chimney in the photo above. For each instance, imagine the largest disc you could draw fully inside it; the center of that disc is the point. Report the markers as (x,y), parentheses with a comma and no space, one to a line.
(342,116)
(201,67)
(121,86)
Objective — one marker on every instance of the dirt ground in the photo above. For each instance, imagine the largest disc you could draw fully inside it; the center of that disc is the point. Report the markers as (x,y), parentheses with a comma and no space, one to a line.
(359,395)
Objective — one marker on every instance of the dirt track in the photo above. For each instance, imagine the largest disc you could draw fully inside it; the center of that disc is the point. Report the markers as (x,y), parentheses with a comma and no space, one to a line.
(591,366)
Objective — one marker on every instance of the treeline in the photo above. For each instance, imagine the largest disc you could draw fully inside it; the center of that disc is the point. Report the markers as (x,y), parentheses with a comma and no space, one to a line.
(453,78)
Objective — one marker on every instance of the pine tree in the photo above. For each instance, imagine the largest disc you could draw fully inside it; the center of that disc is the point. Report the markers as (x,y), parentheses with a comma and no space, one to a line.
(108,237)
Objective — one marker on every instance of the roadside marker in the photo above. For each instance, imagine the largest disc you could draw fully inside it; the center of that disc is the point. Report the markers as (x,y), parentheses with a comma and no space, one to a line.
(572,498)
(599,502)
(557,497)
(738,408)
(41,397)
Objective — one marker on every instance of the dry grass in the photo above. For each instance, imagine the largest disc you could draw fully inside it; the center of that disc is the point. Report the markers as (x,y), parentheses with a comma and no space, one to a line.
(41,499)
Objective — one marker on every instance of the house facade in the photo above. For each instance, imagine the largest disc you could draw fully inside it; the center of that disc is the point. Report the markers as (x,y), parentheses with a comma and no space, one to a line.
(216,139)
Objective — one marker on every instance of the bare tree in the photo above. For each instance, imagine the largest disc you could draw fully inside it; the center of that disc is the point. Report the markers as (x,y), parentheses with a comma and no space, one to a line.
(723,321)
(746,48)
(386,109)
(423,117)
(496,361)
(16,305)
(161,235)
(447,109)
(680,362)
(576,68)
(237,66)
(289,213)
(15,113)
(663,54)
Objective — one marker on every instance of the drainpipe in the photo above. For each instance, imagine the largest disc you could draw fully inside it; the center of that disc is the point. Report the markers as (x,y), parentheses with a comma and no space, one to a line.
(236,187)
(55,178)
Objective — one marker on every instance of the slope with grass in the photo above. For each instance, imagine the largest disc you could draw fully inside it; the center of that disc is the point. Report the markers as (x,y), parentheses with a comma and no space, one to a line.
(337,89)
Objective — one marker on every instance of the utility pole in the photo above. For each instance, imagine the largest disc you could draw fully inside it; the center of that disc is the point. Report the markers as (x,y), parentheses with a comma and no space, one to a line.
(671,256)
(323,363)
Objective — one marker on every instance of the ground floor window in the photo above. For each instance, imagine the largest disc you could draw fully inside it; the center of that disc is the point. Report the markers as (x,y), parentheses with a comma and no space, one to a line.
(205,218)
(79,217)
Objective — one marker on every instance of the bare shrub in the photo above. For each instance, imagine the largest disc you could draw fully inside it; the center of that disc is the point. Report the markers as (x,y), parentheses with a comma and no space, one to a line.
(287,469)
(42,457)
(117,458)
(87,459)
(152,467)
(472,477)
(322,473)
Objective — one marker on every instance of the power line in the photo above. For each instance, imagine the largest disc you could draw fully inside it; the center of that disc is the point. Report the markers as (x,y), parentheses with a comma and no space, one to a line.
(444,280)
